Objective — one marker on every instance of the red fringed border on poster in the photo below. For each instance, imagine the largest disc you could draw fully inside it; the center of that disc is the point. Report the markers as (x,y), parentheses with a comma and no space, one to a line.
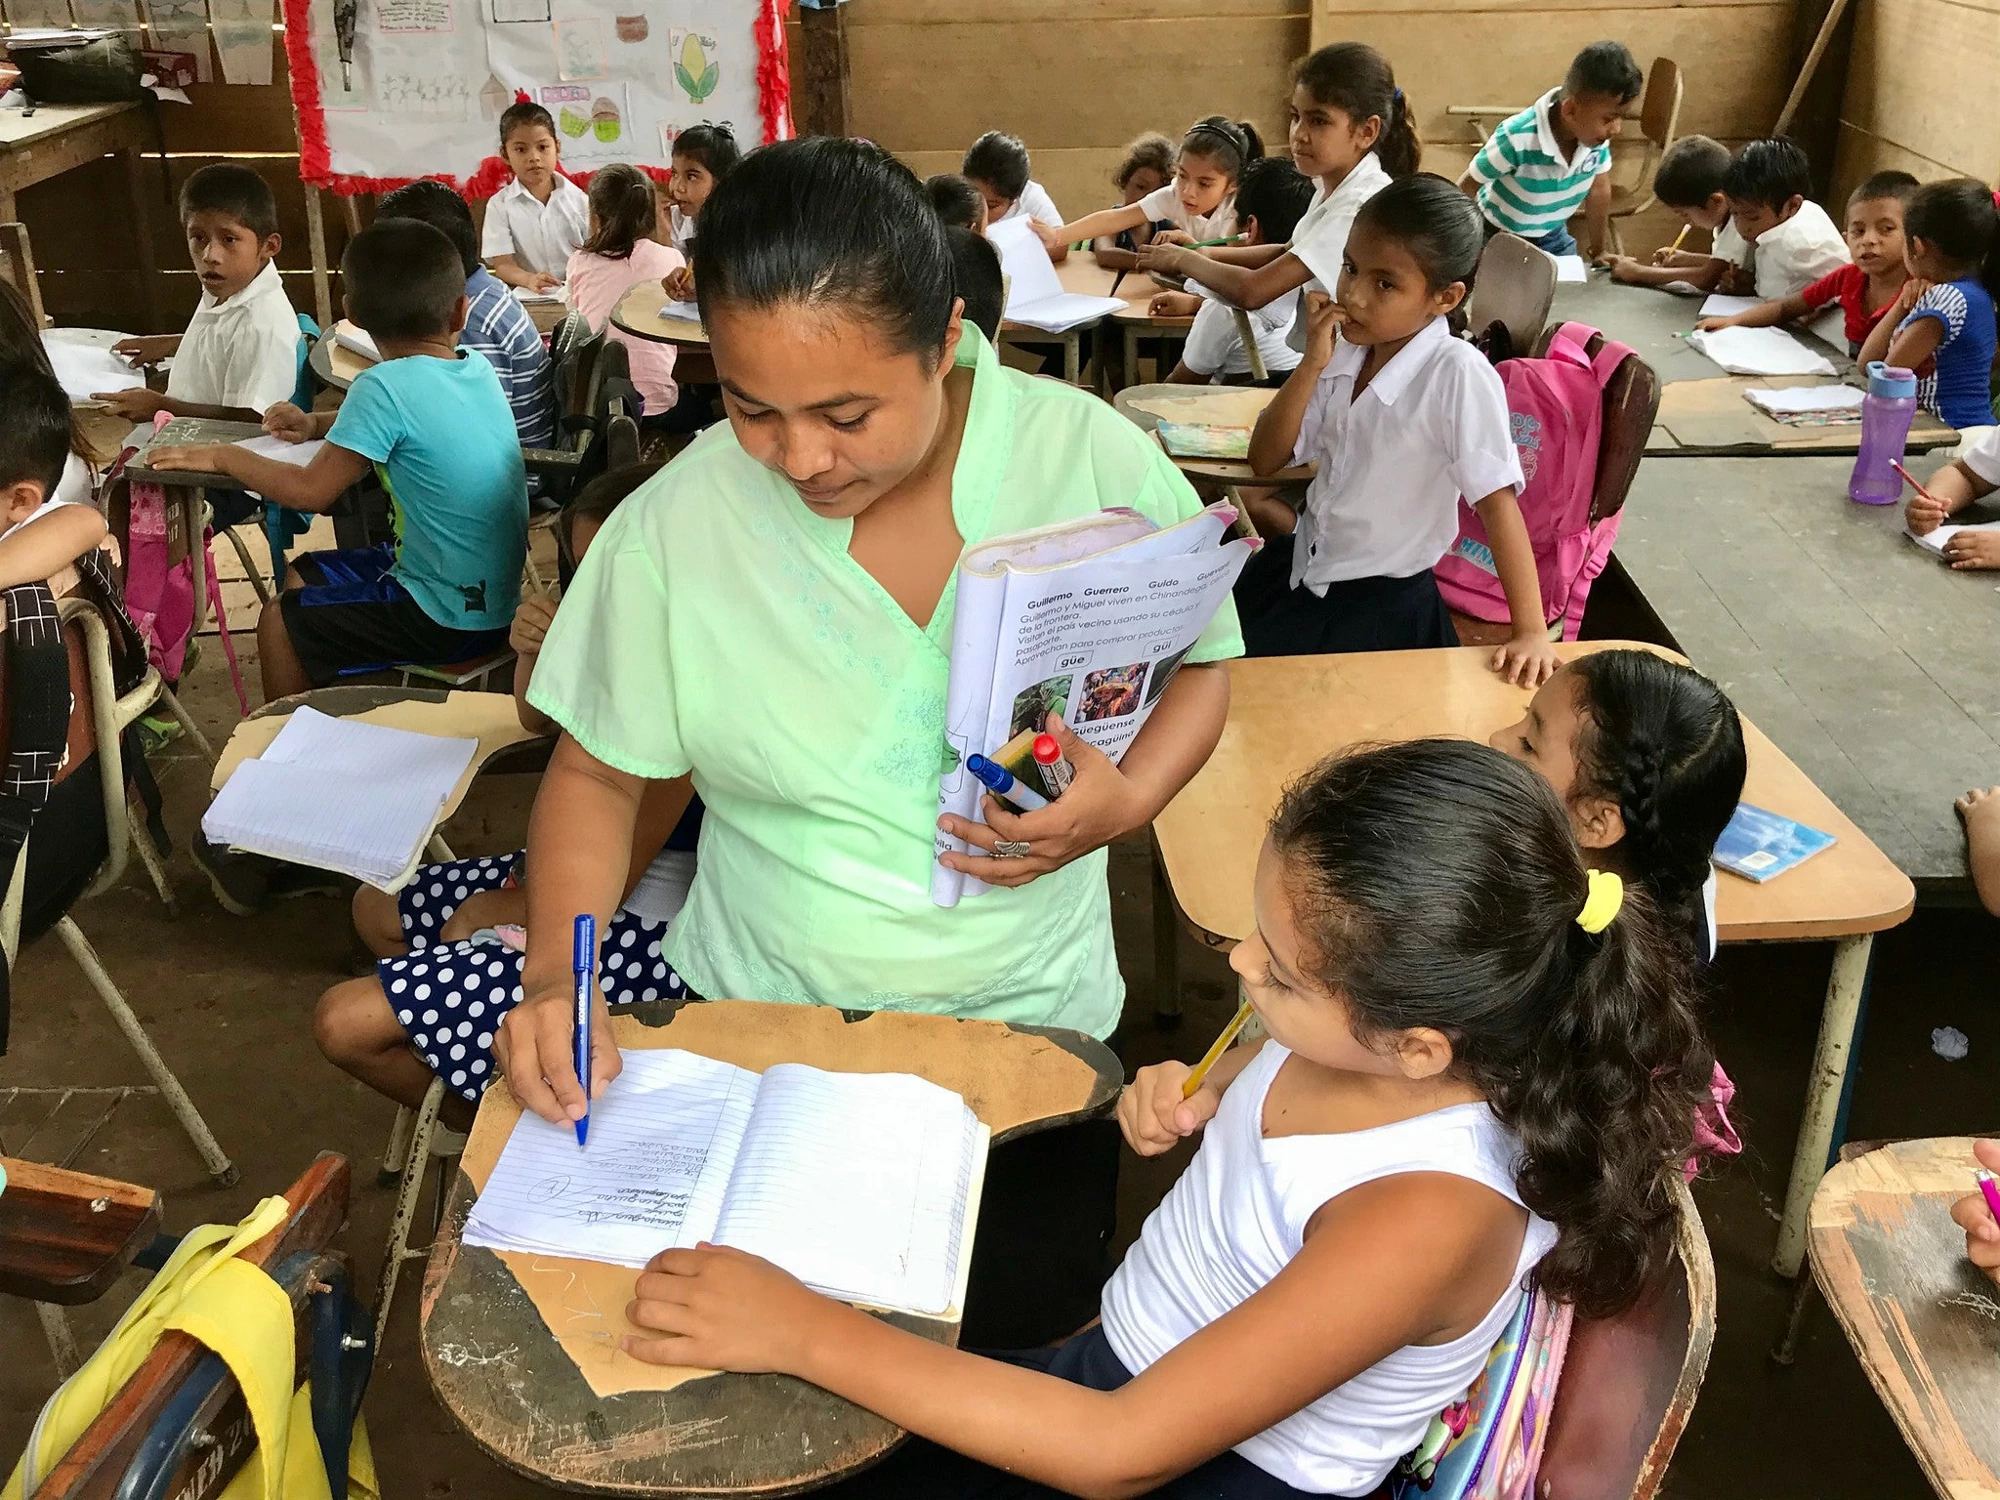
(774,105)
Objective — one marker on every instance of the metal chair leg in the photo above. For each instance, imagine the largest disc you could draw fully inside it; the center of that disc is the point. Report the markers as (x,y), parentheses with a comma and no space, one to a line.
(415,1168)
(149,856)
(396,1155)
(219,1166)
(250,569)
(187,722)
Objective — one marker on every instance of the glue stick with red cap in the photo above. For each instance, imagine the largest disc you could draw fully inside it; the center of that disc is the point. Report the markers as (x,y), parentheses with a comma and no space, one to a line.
(1056,769)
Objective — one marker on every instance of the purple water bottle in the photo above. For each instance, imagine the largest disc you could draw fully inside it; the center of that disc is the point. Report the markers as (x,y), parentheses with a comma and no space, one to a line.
(1886,413)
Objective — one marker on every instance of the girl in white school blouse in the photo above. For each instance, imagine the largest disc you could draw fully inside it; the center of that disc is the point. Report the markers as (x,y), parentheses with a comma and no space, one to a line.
(1402,419)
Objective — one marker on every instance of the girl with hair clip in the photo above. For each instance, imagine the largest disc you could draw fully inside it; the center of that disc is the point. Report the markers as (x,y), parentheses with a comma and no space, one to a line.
(703,155)
(619,254)
(1351,128)
(773,613)
(1403,418)
(1942,326)
(1481,1066)
(1199,204)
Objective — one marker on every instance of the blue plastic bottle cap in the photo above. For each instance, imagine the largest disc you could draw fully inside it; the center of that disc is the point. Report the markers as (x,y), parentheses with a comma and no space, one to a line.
(1891,381)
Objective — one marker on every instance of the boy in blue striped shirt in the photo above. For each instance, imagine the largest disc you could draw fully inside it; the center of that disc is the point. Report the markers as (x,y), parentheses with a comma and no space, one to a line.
(1543,164)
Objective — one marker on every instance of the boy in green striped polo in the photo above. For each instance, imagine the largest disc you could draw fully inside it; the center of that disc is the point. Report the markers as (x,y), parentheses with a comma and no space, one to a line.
(1541,165)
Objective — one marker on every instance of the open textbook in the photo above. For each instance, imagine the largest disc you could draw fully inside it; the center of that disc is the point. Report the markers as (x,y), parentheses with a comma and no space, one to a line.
(1933,541)
(1035,294)
(865,1186)
(1085,619)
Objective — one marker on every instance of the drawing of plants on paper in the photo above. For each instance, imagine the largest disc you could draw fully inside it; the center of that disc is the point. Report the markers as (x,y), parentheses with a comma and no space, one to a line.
(695,68)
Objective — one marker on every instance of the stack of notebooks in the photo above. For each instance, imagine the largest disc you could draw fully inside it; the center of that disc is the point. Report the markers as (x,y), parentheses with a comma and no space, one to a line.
(338,794)
(865,1186)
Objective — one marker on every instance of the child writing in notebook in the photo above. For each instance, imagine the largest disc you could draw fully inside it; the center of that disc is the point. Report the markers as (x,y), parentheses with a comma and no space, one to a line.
(1353,130)
(1148,166)
(1482,1062)
(1791,240)
(619,254)
(1942,325)
(431,419)
(538,218)
(1972,476)
(1403,418)
(240,354)
(997,165)
(1689,183)
(1199,204)
(439,991)
(1269,203)
(1865,288)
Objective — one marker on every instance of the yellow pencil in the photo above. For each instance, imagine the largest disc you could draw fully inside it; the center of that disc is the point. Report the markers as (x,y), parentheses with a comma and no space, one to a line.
(1214,1053)
(1679,237)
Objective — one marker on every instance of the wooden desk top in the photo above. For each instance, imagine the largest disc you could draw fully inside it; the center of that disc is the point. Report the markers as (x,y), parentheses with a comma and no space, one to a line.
(1713,418)
(638,313)
(1288,713)
(19,129)
(1654,323)
(1235,401)
(1924,1322)
(334,362)
(65,1236)
(1867,659)
(494,1363)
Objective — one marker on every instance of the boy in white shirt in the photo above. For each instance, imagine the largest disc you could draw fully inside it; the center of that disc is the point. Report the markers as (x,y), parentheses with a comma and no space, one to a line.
(1792,240)
(1688,183)
(997,164)
(240,354)
(535,222)
(1271,197)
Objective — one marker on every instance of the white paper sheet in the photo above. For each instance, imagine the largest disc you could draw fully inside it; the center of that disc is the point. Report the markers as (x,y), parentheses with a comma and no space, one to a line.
(1570,268)
(1035,294)
(1807,398)
(356,341)
(339,794)
(1830,324)
(85,371)
(1759,351)
(280,450)
(1933,541)
(1682,289)
(1720,306)
(690,311)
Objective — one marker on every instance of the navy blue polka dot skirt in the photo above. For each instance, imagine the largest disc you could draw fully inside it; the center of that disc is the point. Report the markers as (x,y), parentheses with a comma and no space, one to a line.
(450,996)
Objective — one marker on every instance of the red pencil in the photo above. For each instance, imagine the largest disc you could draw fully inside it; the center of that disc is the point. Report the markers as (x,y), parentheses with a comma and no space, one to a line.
(1913,482)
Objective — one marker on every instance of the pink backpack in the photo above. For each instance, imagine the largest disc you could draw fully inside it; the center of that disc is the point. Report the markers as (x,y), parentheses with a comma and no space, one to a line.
(1557,407)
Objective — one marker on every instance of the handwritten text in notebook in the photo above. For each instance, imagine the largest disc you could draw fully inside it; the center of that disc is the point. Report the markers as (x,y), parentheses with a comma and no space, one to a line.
(859,1184)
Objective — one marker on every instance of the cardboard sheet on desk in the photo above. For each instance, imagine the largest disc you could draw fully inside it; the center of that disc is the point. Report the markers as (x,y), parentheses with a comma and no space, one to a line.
(1232,406)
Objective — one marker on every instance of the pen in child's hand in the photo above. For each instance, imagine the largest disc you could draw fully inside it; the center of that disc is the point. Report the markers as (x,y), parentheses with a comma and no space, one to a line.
(1227,239)
(1214,1054)
(1057,772)
(1003,783)
(1675,248)
(1921,491)
(584,961)
(1989,1190)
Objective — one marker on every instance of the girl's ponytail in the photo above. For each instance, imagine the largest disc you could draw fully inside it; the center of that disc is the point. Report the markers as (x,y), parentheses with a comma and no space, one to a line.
(1961,218)
(1605,1106)
(1253,142)
(1355,79)
(1436,884)
(1230,144)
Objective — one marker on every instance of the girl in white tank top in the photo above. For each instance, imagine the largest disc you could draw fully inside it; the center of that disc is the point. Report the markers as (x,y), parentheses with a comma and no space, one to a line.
(1482,1061)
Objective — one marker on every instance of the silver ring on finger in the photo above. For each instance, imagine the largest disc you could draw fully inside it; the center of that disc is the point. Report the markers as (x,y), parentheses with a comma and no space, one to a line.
(1010,848)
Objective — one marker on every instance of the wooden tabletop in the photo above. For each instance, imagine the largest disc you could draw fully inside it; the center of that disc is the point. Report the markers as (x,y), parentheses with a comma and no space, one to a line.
(638,313)
(497,1367)
(1287,713)
(1923,1320)
(19,129)
(65,1236)
(1867,659)
(334,362)
(1714,418)
(1235,399)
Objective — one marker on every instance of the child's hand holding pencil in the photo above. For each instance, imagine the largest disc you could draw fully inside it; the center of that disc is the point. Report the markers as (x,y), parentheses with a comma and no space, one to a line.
(1155,1117)
(1973,1213)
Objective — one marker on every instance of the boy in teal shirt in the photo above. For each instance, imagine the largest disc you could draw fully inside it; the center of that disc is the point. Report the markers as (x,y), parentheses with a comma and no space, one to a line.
(435,425)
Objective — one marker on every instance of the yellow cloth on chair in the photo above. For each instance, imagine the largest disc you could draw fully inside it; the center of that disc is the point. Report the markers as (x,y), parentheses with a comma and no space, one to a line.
(239,1312)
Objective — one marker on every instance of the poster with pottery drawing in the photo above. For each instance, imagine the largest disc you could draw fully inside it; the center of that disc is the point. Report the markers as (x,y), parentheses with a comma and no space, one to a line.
(620,78)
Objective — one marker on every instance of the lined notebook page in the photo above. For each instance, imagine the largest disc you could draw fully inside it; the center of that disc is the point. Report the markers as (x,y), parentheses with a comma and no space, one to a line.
(652,1177)
(339,794)
(857,1183)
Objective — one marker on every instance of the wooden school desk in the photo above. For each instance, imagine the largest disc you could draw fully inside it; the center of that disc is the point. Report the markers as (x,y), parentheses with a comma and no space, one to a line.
(638,313)
(1287,713)
(1867,658)
(187,491)
(496,1367)
(56,138)
(1923,1320)
(333,363)
(1215,470)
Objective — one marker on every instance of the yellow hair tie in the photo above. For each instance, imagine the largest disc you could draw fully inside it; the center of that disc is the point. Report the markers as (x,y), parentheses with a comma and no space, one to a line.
(1607,895)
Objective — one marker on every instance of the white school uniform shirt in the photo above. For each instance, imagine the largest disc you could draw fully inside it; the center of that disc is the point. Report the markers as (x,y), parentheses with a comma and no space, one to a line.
(1732,247)
(240,352)
(541,236)
(1982,455)
(681,229)
(47,507)
(1793,255)
(1215,345)
(1163,204)
(1034,203)
(1320,237)
(1431,426)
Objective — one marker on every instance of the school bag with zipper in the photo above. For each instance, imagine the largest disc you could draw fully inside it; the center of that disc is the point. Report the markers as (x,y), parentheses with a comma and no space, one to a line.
(1555,407)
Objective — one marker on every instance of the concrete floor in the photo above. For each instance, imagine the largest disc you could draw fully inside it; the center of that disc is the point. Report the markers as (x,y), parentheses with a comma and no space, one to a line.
(228,1002)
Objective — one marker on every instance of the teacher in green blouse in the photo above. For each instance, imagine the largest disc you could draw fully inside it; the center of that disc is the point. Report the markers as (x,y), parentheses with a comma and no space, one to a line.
(772,613)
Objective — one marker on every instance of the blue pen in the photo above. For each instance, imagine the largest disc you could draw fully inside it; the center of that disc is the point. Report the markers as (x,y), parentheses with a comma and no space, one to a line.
(585,963)
(1004,783)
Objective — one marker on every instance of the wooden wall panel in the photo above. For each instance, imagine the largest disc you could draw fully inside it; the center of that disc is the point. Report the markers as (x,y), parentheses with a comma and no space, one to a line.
(1920,91)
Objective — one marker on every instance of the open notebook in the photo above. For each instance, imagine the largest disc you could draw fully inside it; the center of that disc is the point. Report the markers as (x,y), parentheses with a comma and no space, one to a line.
(338,794)
(1933,540)
(863,1185)
(1035,294)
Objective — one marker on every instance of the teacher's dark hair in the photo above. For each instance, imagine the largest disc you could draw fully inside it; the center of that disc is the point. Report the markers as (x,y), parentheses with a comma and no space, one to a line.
(828,223)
